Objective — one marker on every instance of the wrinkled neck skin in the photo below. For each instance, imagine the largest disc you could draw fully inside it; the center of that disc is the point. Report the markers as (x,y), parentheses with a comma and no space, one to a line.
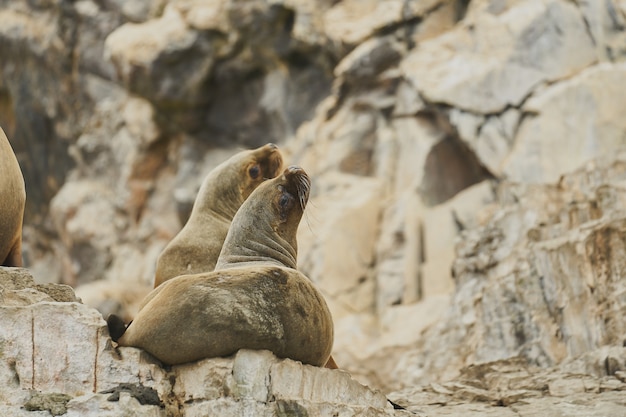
(255,242)
(220,193)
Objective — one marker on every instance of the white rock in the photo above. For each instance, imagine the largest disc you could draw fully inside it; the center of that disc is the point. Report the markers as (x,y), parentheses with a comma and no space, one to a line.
(494,61)
(349,208)
(568,124)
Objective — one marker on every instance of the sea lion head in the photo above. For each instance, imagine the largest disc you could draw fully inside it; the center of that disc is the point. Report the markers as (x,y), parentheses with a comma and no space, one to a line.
(256,166)
(264,229)
(231,182)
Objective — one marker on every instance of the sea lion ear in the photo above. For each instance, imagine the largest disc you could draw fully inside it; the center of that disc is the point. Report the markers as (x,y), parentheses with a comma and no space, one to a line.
(254,171)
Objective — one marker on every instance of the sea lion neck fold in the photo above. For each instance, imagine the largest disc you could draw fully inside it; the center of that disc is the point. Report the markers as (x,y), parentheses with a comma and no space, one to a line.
(263,231)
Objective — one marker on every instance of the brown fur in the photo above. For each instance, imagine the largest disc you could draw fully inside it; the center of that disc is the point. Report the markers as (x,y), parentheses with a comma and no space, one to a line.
(196,247)
(255,299)
(12,202)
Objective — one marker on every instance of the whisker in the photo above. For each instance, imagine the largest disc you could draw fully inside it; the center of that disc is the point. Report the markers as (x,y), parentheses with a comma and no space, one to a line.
(303,186)
(309,217)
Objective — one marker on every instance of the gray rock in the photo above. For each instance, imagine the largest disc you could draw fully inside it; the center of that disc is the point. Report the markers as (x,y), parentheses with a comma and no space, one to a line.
(568,124)
(495,60)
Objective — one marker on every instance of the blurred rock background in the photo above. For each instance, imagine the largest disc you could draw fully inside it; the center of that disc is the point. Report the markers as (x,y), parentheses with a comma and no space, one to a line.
(468,159)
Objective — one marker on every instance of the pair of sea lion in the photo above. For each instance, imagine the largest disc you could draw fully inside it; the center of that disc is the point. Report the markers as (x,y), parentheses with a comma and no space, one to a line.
(12,202)
(255,298)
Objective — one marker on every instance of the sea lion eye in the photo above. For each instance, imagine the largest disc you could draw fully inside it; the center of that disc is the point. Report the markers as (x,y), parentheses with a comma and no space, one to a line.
(254,172)
(284,200)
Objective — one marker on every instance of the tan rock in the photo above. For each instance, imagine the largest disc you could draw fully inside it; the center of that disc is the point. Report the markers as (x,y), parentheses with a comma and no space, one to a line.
(539,253)
(343,216)
(352,21)
(120,297)
(492,61)
(606,22)
(59,354)
(204,16)
(568,124)
(135,49)
(87,242)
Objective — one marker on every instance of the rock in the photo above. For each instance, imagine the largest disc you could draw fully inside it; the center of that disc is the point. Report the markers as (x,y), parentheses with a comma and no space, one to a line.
(491,138)
(17,288)
(344,279)
(534,280)
(369,59)
(114,296)
(606,24)
(352,22)
(148,58)
(512,388)
(88,376)
(73,211)
(586,121)
(56,50)
(56,404)
(99,404)
(495,59)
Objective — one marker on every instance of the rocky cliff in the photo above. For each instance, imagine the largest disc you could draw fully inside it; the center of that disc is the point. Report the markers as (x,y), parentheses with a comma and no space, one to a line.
(467,161)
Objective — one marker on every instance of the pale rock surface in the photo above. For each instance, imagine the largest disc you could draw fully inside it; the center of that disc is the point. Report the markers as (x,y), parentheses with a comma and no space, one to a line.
(57,359)
(588,106)
(495,58)
(541,280)
(512,388)
(57,356)
(144,54)
(353,21)
(348,202)
(606,21)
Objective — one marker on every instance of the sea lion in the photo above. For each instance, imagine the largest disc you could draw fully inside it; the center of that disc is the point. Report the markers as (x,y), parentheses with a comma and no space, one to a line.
(255,299)
(196,247)
(12,202)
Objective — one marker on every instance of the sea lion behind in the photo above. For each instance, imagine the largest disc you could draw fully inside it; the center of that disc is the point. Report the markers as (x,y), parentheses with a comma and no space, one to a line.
(12,202)
(255,300)
(217,313)
(196,247)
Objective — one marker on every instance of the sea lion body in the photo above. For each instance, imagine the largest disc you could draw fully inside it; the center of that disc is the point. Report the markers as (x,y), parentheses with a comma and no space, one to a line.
(217,313)
(196,247)
(12,202)
(255,299)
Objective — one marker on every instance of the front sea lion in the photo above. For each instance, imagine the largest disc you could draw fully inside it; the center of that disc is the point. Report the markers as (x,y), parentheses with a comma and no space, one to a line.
(255,299)
(12,201)
(196,247)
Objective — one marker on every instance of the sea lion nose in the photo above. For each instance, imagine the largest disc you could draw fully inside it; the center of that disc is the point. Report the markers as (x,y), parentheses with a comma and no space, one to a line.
(294,169)
(272,146)
(297,182)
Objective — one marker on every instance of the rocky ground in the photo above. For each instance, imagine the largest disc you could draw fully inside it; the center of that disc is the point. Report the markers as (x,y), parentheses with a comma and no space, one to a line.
(57,359)
(467,160)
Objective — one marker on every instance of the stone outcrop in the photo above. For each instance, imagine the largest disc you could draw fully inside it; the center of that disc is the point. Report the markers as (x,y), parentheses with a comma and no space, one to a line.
(512,388)
(542,280)
(57,358)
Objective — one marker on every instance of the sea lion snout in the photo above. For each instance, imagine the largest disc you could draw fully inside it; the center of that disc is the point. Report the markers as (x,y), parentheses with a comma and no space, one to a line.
(294,170)
(298,183)
(271,160)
